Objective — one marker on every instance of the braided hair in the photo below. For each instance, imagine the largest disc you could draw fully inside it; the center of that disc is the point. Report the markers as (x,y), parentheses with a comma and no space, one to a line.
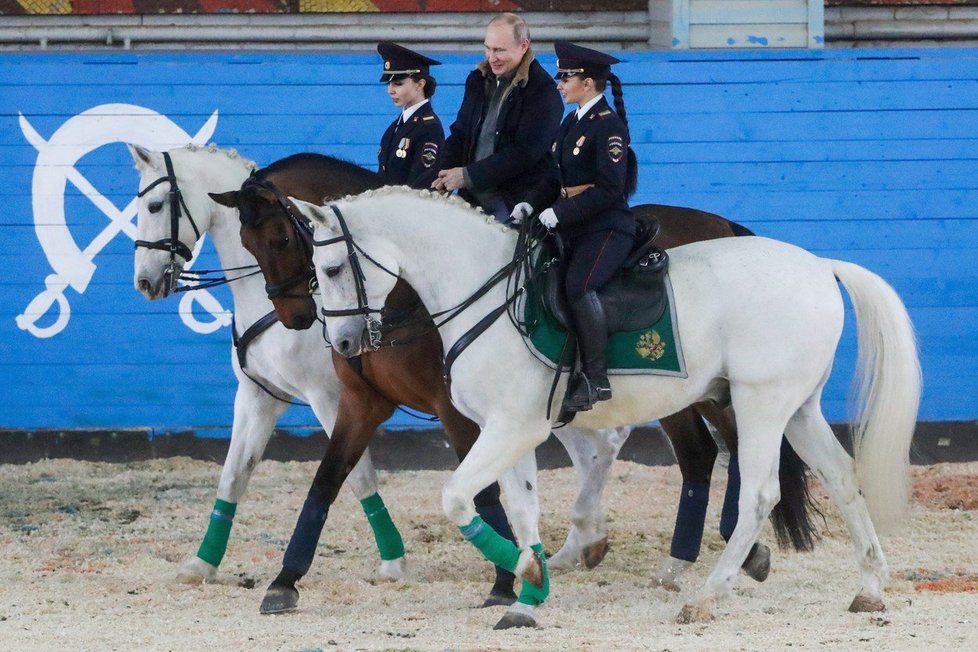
(631,178)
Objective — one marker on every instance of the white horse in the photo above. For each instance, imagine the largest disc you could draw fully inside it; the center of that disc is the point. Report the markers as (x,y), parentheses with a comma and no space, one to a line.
(759,322)
(287,363)
(293,363)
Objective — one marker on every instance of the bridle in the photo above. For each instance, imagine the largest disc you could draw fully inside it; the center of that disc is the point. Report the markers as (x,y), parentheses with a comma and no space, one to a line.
(303,232)
(173,243)
(372,326)
(199,278)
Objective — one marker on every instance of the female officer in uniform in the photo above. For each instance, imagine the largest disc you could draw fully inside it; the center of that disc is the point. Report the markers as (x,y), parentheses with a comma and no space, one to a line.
(595,176)
(410,147)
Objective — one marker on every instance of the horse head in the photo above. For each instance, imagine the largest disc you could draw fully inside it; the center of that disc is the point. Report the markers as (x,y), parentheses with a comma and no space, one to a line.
(173,211)
(356,275)
(280,239)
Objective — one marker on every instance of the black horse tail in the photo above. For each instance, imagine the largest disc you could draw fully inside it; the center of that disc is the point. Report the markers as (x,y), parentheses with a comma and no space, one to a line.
(739,230)
(791,517)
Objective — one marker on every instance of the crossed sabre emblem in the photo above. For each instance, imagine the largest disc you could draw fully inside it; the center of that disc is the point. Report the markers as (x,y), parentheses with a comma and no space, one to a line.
(55,167)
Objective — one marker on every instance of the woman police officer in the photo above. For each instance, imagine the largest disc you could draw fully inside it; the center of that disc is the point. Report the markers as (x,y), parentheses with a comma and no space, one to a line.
(410,147)
(595,175)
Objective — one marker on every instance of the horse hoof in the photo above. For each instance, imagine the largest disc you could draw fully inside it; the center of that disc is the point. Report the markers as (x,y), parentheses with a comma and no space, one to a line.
(530,568)
(562,562)
(393,570)
(519,615)
(702,613)
(196,571)
(593,554)
(279,599)
(189,578)
(669,572)
(497,598)
(864,603)
(758,563)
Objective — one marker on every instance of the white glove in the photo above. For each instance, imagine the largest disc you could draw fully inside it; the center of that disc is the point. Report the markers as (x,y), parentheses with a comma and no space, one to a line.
(548,218)
(521,211)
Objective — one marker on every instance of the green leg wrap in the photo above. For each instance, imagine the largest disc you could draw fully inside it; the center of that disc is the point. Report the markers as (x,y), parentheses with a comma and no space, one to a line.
(500,551)
(530,594)
(215,542)
(389,540)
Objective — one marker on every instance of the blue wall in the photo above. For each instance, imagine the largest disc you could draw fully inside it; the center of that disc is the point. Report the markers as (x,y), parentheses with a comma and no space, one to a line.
(863,155)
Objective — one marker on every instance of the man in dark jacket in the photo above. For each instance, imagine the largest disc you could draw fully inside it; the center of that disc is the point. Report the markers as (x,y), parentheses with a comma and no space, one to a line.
(499,146)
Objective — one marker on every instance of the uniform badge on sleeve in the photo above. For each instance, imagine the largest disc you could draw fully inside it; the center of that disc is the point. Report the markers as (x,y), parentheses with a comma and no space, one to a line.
(616,148)
(429,154)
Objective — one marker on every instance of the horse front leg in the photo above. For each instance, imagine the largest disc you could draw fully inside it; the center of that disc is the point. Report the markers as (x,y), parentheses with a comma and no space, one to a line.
(592,453)
(501,444)
(355,424)
(462,434)
(363,482)
(695,453)
(255,414)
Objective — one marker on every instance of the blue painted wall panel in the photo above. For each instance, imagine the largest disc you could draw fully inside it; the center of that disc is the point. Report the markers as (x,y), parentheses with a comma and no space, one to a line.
(863,155)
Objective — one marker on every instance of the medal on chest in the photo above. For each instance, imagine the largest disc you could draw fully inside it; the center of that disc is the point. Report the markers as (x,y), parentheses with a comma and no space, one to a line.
(402,148)
(577,145)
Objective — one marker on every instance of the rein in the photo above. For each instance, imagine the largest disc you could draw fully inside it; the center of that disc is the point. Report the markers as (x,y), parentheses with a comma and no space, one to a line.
(524,248)
(196,279)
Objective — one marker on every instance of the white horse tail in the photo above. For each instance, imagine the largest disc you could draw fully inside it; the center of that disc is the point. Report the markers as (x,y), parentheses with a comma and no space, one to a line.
(889,380)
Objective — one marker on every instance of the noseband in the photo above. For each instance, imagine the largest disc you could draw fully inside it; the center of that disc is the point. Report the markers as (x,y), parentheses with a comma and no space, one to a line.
(173,243)
(303,232)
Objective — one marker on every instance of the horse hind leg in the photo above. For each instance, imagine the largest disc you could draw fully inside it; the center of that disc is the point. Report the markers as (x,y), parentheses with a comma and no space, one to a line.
(761,419)
(592,454)
(817,445)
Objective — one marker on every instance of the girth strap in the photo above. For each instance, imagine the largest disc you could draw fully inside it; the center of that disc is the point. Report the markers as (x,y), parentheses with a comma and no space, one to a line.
(253,331)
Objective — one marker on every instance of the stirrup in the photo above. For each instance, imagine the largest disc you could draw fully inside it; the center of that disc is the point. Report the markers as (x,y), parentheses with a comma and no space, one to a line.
(584,395)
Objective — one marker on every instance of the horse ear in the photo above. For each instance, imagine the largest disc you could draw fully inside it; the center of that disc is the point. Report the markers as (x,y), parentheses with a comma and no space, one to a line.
(310,209)
(142,156)
(229,198)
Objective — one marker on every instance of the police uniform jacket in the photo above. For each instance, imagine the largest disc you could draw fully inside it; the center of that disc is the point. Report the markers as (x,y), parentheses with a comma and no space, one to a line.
(527,123)
(592,150)
(421,139)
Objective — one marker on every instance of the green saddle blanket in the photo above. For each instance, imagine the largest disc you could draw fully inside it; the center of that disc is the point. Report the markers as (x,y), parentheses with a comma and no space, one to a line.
(654,349)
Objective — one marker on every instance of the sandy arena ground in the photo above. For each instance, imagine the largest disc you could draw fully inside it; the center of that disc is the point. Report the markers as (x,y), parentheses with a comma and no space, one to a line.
(90,551)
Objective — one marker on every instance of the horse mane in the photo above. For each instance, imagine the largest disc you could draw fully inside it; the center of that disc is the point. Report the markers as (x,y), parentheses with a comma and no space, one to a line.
(449,200)
(230,152)
(317,162)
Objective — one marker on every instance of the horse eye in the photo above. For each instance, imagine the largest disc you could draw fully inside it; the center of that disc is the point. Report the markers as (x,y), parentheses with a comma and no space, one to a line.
(281,243)
(155,206)
(333,271)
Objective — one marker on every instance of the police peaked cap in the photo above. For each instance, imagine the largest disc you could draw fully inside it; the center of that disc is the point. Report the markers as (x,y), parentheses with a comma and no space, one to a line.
(574,59)
(399,62)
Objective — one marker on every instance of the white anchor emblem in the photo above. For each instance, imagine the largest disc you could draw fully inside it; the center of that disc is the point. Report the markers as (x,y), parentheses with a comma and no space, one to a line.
(74,266)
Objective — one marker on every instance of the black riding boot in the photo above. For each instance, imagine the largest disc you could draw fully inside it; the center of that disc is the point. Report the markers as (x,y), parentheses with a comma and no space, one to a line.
(592,340)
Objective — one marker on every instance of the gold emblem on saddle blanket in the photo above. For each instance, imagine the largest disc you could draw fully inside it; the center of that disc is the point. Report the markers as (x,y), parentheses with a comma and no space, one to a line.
(650,345)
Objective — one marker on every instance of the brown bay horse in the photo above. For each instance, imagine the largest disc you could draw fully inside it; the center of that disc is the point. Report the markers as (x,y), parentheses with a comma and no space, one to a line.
(407,370)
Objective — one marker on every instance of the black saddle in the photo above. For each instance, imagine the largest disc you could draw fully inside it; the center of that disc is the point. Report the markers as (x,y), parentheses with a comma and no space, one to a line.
(634,299)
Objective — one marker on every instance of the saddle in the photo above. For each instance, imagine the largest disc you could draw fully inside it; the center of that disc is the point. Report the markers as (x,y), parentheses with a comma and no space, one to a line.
(634,299)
